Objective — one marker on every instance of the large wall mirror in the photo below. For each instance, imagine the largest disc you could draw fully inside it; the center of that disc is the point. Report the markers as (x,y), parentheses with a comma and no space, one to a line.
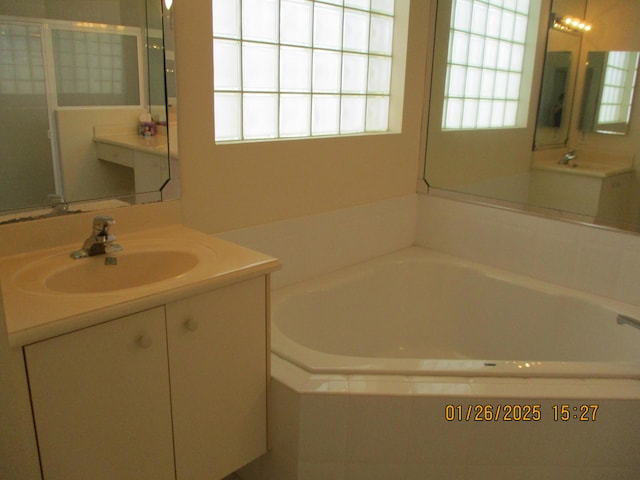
(571,149)
(83,105)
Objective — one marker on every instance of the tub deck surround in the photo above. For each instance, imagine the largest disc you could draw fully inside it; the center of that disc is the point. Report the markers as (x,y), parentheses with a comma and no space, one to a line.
(348,427)
(304,382)
(34,312)
(419,312)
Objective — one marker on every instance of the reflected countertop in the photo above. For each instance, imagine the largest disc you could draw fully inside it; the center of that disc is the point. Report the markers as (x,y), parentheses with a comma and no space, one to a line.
(126,138)
(590,164)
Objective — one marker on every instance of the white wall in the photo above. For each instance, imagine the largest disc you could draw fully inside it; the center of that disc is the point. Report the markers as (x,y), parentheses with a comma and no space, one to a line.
(596,260)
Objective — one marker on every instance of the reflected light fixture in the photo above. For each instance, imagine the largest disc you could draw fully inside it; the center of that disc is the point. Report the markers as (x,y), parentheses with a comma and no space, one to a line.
(569,23)
(167,4)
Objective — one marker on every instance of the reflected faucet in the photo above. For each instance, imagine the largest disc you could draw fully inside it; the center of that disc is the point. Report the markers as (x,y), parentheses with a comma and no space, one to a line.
(570,155)
(58,204)
(100,241)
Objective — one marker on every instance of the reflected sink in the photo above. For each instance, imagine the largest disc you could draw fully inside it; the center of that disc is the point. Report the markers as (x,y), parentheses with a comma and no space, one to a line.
(590,164)
(105,273)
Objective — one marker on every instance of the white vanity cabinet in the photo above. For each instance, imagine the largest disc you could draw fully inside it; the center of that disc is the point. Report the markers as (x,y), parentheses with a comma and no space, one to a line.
(149,163)
(217,360)
(605,197)
(185,381)
(101,401)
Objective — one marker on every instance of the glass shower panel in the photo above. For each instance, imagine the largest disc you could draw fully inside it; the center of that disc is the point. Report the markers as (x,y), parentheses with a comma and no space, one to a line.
(24,118)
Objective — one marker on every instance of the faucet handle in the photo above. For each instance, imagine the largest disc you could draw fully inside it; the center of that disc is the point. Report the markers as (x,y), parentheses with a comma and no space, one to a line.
(101,224)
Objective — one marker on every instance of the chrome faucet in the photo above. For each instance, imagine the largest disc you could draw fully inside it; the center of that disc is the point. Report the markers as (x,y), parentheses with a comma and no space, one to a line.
(100,241)
(570,155)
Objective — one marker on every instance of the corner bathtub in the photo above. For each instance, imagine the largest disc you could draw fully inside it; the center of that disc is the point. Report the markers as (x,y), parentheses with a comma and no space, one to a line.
(419,312)
(400,366)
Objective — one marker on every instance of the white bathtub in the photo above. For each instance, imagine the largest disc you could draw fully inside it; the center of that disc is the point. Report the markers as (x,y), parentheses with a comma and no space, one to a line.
(419,312)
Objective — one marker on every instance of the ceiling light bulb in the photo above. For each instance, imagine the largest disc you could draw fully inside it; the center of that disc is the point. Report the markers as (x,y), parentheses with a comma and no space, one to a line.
(587,28)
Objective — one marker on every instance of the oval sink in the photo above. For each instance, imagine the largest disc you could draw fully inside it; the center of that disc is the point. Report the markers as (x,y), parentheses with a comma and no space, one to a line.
(100,274)
(105,273)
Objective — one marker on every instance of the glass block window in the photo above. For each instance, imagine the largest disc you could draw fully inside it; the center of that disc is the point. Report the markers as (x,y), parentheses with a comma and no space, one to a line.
(301,68)
(617,87)
(21,60)
(95,68)
(487,58)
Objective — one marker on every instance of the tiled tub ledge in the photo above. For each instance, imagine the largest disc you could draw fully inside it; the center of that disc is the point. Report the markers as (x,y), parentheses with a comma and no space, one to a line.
(352,427)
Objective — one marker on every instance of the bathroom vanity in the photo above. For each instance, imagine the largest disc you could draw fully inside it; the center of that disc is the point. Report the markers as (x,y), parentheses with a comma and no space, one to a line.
(158,370)
(597,186)
(147,156)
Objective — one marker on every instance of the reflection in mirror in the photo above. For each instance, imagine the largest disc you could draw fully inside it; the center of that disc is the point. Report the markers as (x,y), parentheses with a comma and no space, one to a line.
(607,97)
(553,99)
(573,173)
(77,79)
(559,76)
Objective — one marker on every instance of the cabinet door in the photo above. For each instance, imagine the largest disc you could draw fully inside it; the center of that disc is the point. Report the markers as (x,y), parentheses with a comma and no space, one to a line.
(150,171)
(101,401)
(217,358)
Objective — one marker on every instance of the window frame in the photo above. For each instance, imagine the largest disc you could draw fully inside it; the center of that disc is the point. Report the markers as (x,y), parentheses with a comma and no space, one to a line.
(393,96)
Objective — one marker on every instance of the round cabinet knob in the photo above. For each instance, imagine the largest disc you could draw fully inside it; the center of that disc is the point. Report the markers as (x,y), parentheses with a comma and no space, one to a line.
(144,341)
(191,325)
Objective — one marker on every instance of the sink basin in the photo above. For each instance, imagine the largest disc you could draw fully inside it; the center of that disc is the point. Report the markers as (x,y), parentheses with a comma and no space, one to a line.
(127,271)
(104,273)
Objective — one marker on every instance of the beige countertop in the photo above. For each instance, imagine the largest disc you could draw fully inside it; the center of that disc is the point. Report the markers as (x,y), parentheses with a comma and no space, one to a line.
(589,169)
(586,163)
(156,145)
(34,312)
(166,139)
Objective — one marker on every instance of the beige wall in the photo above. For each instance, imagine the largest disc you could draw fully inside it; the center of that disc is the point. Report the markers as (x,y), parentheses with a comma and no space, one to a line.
(235,185)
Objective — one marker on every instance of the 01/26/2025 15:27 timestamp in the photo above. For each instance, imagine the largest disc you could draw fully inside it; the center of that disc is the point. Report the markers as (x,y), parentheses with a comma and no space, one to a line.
(519,412)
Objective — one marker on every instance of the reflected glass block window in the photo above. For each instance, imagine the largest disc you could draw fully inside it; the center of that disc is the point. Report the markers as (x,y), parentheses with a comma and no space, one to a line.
(301,68)
(21,60)
(95,68)
(617,87)
(488,55)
